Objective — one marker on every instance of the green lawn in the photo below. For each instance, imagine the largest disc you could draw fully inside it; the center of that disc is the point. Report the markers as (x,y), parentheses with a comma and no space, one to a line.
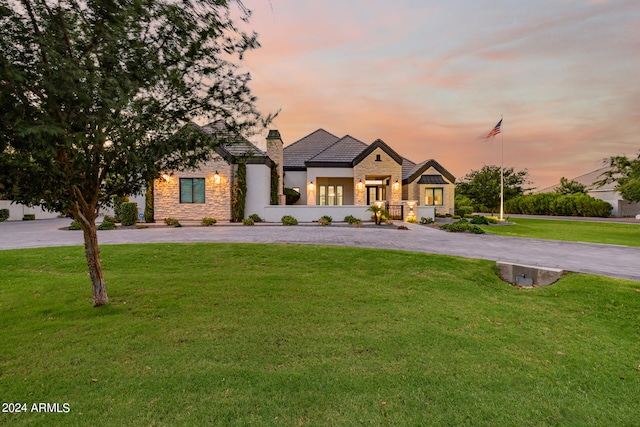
(240,334)
(574,231)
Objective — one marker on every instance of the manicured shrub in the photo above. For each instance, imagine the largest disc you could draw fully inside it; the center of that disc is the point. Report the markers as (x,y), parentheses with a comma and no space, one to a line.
(256,218)
(463,210)
(476,230)
(248,221)
(577,204)
(109,218)
(107,225)
(117,203)
(128,213)
(75,225)
(207,221)
(172,222)
(350,219)
(402,227)
(479,220)
(412,220)
(325,220)
(424,220)
(148,203)
(289,220)
(29,217)
(462,226)
(4,214)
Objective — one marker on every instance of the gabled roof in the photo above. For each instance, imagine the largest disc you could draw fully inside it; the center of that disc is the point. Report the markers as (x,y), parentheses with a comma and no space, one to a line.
(421,167)
(296,154)
(237,145)
(407,167)
(588,179)
(339,154)
(378,143)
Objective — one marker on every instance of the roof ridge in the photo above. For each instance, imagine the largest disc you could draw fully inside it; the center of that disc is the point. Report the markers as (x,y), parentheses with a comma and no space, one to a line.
(307,136)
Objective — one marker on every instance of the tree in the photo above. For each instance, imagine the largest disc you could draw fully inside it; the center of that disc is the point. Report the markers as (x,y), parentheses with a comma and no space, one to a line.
(483,186)
(626,174)
(570,187)
(96,98)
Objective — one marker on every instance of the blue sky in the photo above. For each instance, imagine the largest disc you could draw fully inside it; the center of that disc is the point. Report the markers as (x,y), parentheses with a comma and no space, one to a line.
(429,77)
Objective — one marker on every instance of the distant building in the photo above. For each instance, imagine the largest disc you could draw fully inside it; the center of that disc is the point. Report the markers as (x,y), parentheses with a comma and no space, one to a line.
(621,208)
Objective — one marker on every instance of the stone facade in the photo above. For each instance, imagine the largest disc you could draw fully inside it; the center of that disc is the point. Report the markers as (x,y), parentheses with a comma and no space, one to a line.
(415,191)
(386,167)
(217,195)
(275,153)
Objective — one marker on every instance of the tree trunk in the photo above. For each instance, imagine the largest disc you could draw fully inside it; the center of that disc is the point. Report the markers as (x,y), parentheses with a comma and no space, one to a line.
(92,251)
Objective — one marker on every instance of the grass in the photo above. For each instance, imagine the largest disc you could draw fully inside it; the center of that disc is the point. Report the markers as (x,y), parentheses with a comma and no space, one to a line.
(240,334)
(574,231)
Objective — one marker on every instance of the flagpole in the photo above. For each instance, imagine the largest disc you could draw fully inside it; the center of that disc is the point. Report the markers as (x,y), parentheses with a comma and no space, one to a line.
(502,171)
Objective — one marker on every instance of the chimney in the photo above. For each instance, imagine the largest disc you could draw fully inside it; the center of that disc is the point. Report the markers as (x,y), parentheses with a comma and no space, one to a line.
(275,153)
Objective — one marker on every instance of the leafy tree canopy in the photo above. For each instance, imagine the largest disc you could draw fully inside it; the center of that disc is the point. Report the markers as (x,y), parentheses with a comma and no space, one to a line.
(96,97)
(626,174)
(570,187)
(483,186)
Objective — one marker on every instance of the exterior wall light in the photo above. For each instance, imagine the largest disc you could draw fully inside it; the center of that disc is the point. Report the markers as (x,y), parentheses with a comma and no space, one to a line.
(396,185)
(216,178)
(166,177)
(311,186)
(360,185)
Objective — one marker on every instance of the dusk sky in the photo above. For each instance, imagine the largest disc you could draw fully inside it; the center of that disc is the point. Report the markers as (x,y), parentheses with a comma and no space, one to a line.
(429,77)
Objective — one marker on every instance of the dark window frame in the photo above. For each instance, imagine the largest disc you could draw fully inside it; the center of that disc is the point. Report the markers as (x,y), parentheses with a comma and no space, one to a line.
(194,196)
(433,194)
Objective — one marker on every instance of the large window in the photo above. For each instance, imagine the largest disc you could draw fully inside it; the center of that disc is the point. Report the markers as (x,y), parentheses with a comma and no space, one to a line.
(191,190)
(433,197)
(332,195)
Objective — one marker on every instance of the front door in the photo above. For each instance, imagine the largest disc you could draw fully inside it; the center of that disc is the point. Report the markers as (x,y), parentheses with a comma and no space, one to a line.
(375,192)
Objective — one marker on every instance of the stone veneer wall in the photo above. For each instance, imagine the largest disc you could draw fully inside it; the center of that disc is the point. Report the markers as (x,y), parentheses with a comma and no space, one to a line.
(217,196)
(415,191)
(275,153)
(385,167)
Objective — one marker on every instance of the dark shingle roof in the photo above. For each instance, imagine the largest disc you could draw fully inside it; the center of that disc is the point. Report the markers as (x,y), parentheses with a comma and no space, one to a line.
(343,151)
(421,167)
(296,154)
(236,145)
(408,167)
(432,179)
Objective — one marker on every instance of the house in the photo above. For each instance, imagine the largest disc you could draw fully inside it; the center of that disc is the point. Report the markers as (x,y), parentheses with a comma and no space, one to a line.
(208,190)
(335,176)
(329,170)
(607,192)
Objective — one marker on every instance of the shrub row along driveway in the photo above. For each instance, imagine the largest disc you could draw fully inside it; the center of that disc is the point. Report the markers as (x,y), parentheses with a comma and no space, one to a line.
(606,260)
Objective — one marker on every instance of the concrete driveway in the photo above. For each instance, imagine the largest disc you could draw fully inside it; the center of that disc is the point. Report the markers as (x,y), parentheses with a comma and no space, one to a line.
(606,260)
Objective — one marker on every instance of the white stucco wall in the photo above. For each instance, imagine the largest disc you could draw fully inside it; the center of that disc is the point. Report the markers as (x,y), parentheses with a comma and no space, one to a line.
(258,189)
(17,211)
(609,196)
(313,213)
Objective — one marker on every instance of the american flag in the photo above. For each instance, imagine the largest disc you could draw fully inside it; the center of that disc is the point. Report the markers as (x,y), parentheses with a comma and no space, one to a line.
(494,131)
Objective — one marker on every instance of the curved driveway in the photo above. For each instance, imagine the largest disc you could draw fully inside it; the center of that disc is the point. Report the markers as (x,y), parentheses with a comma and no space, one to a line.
(606,260)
